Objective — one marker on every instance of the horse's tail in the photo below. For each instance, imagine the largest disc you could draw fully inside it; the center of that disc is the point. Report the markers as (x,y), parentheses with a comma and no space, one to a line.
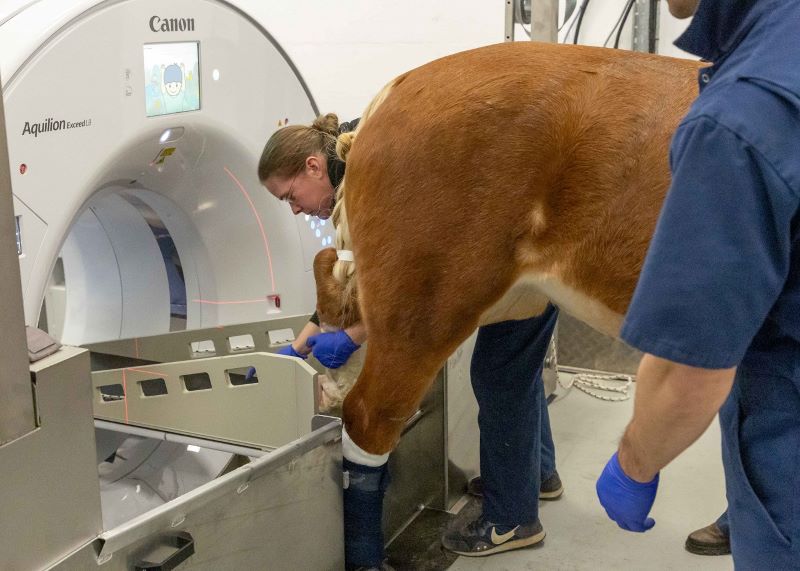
(344,268)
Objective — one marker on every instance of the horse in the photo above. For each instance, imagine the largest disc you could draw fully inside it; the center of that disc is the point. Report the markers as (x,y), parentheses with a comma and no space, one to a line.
(483,185)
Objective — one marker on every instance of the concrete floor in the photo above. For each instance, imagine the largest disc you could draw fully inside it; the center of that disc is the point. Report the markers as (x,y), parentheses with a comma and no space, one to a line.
(579,534)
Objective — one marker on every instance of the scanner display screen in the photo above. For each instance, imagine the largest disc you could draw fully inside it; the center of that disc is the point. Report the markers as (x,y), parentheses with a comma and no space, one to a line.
(171,78)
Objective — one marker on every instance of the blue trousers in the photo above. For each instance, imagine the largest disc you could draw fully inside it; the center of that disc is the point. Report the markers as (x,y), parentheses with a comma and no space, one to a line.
(723,525)
(516,444)
(761,454)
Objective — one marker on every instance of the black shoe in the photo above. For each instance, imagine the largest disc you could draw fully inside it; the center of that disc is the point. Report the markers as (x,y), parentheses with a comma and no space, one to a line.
(480,537)
(709,540)
(549,490)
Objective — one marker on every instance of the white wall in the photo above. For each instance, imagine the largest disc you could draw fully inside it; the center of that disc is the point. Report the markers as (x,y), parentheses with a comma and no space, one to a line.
(601,15)
(348,49)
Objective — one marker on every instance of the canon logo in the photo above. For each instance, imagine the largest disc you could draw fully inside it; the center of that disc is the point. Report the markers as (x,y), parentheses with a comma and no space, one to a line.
(158,24)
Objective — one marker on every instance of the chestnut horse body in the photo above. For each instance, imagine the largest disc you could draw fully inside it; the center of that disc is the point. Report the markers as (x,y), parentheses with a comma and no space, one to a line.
(485,184)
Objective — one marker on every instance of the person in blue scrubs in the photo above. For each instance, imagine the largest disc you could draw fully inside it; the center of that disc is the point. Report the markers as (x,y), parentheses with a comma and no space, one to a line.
(717,307)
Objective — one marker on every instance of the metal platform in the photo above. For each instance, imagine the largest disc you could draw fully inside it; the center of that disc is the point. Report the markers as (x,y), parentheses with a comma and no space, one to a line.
(253,512)
(175,382)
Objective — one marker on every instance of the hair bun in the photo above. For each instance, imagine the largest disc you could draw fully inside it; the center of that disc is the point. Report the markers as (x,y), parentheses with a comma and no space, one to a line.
(343,144)
(328,124)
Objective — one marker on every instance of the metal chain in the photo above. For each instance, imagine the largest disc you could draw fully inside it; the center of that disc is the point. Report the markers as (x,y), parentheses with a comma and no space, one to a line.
(585,382)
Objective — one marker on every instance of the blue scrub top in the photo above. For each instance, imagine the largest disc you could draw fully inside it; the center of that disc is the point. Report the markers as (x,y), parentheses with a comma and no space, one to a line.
(720,285)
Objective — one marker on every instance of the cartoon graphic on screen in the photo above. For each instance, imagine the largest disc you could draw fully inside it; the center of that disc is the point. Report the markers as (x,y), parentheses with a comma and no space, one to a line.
(172,87)
(172,78)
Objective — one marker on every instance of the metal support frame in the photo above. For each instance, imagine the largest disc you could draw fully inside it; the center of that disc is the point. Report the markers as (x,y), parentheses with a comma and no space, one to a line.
(17,415)
(645,26)
(544,20)
(443,433)
(509,37)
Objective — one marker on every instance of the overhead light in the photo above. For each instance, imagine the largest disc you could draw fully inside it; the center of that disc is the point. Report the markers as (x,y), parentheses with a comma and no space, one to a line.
(171,135)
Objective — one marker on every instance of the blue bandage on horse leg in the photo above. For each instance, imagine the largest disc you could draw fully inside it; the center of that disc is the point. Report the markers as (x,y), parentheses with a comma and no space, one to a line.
(364,488)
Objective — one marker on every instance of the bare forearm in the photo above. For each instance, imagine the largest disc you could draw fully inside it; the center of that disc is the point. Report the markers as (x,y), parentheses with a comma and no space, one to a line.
(299,343)
(674,405)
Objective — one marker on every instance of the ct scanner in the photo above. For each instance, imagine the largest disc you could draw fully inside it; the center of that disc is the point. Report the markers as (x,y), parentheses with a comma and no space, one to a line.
(134,129)
(146,204)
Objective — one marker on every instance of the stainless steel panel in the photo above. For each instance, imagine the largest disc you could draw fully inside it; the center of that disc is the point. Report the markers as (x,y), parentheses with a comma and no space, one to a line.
(105,428)
(283,511)
(544,20)
(177,346)
(270,413)
(580,346)
(17,415)
(50,495)
(462,434)
(418,464)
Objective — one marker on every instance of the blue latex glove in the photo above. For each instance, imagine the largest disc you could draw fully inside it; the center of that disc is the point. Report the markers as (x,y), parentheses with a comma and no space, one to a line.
(625,500)
(332,349)
(290,352)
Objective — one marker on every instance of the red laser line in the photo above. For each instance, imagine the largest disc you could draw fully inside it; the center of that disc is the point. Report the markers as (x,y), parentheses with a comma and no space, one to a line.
(260,225)
(209,302)
(143,371)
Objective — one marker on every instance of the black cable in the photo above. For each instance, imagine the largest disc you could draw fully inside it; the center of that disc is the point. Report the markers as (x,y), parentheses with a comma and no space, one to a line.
(580,21)
(652,26)
(614,27)
(566,18)
(628,8)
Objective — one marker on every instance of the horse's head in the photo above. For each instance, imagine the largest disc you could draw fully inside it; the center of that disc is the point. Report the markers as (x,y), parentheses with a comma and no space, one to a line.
(337,308)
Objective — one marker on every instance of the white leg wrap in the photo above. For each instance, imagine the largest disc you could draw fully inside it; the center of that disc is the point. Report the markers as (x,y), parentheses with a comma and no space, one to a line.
(355,454)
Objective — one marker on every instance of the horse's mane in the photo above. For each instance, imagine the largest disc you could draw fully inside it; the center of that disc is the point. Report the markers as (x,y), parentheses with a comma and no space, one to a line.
(344,269)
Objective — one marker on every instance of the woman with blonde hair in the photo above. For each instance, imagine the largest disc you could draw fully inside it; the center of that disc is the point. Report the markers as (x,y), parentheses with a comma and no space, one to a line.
(299,166)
